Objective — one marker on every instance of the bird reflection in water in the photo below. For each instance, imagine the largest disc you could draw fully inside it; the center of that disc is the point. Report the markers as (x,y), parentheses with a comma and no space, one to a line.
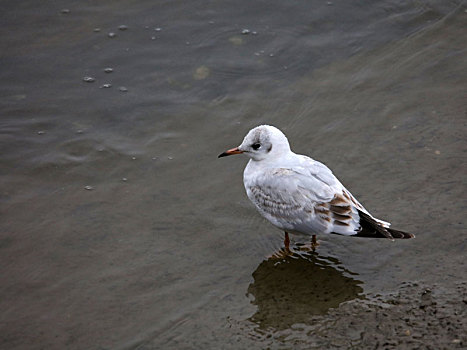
(295,287)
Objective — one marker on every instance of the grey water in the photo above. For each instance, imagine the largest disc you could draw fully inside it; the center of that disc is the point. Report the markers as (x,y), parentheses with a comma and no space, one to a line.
(120,228)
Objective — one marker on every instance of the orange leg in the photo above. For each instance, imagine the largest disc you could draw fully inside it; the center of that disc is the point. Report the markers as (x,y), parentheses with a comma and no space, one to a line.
(314,242)
(286,241)
(283,252)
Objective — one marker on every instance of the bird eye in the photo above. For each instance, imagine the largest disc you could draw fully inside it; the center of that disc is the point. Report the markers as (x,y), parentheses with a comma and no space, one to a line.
(256,146)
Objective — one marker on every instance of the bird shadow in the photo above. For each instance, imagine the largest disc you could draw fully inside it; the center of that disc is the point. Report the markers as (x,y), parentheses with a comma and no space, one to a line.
(291,288)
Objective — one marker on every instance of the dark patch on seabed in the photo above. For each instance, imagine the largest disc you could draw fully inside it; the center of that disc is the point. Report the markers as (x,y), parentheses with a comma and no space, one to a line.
(290,290)
(404,319)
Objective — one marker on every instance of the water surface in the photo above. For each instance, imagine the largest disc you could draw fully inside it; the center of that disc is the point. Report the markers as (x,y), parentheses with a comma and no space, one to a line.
(121,229)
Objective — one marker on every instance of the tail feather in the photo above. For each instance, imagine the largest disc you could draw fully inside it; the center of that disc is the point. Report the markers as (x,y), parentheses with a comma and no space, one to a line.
(400,234)
(371,228)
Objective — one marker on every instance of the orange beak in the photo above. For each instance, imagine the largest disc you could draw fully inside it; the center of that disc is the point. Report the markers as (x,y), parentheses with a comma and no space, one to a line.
(230,152)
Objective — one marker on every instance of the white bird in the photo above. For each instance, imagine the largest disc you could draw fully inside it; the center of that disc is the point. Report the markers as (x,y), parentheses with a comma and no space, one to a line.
(300,195)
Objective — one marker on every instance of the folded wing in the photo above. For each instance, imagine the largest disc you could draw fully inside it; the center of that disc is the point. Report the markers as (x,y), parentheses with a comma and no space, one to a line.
(304,199)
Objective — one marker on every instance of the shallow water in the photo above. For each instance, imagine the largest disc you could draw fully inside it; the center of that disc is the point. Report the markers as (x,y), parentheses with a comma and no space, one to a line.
(121,229)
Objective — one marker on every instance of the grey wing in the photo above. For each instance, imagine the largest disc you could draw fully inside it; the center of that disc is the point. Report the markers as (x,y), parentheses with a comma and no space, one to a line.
(343,196)
(298,200)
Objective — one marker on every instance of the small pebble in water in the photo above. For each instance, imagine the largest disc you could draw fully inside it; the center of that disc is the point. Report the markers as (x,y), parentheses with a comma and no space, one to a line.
(123,89)
(154,158)
(254,33)
(134,158)
(65,11)
(105,86)
(108,70)
(271,55)
(97,30)
(201,73)
(41,132)
(79,131)
(170,158)
(89,79)
(111,35)
(124,179)
(158,29)
(153,38)
(245,31)
(236,40)
(123,27)
(89,188)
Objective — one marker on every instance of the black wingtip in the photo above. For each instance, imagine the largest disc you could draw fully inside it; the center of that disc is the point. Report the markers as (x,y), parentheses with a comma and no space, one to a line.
(400,234)
(371,228)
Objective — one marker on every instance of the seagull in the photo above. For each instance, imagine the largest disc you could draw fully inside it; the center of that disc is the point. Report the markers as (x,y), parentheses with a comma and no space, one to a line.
(300,195)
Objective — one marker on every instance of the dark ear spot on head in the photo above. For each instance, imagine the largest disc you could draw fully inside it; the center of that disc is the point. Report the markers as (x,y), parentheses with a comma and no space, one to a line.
(269,147)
